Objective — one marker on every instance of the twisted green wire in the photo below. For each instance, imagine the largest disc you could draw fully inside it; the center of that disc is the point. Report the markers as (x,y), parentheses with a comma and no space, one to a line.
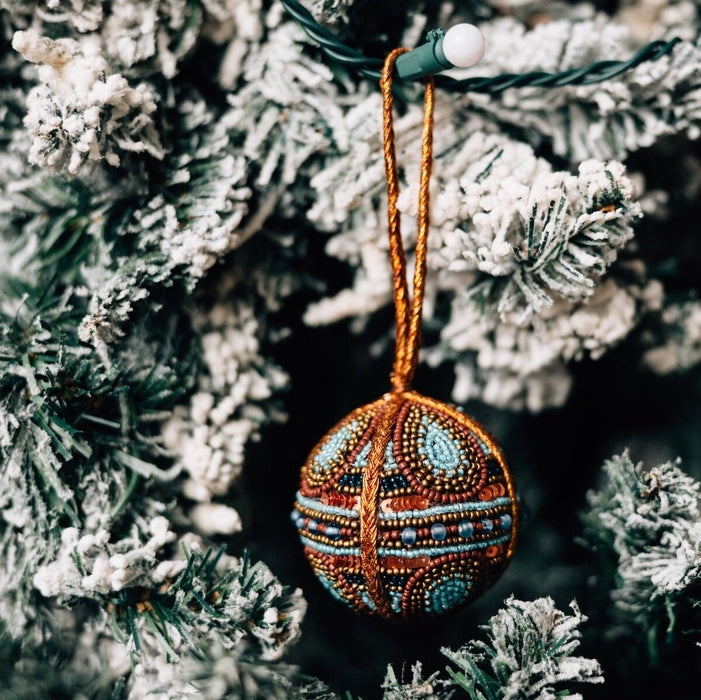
(371,67)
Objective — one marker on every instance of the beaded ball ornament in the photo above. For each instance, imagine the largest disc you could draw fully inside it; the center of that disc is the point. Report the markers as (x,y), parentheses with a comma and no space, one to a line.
(406,507)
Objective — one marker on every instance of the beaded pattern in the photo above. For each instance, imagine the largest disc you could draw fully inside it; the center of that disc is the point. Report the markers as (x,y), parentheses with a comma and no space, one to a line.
(446,509)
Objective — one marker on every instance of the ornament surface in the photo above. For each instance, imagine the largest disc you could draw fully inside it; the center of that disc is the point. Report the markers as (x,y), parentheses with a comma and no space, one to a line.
(442,520)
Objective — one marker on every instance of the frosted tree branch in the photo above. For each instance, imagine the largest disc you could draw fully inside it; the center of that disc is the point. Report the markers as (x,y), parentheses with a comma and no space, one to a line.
(649,522)
(83,112)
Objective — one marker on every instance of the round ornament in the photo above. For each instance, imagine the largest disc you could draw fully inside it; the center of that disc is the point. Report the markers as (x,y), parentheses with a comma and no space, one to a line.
(443,508)
(406,507)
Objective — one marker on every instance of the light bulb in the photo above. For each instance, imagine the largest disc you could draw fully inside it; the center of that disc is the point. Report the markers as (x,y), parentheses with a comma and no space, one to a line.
(463,45)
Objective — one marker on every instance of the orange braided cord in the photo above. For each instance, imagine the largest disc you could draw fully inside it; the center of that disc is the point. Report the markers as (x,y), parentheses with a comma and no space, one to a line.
(396,245)
(408,335)
(369,497)
(413,342)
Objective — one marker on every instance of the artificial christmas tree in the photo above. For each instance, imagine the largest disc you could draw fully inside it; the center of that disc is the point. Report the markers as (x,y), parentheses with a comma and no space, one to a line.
(189,192)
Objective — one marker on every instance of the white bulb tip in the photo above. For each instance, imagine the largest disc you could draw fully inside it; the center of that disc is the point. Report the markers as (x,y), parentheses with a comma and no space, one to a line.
(463,45)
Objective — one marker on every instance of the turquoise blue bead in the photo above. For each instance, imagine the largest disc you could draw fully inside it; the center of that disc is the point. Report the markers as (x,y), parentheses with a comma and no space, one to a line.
(408,536)
(438,531)
(333,532)
(465,529)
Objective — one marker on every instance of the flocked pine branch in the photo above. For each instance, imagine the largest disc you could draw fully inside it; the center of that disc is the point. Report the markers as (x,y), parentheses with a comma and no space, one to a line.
(213,630)
(81,111)
(132,240)
(523,254)
(605,120)
(676,342)
(77,434)
(647,523)
(222,672)
(68,405)
(529,655)
(209,433)
(414,686)
(211,185)
(138,38)
(178,604)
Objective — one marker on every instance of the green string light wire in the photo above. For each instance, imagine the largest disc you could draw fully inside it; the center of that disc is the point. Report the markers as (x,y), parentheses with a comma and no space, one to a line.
(371,67)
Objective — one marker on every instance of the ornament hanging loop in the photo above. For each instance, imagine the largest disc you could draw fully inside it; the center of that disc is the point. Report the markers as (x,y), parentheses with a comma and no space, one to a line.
(408,312)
